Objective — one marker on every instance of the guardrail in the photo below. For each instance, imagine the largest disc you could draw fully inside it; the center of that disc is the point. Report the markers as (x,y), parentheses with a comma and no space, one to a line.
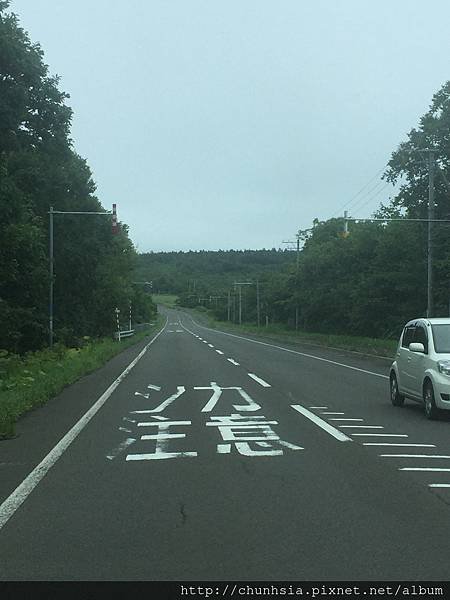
(121,334)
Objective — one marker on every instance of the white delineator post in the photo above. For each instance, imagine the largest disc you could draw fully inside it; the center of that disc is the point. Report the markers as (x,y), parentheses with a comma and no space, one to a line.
(117,311)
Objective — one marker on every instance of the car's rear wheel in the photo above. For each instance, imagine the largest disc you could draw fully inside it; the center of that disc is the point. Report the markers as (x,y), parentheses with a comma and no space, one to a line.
(431,410)
(397,399)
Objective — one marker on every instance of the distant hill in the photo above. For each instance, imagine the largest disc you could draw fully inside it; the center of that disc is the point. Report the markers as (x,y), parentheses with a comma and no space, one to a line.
(208,271)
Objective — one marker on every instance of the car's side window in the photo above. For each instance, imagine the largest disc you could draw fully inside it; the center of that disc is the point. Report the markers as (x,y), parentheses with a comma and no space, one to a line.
(408,336)
(421,337)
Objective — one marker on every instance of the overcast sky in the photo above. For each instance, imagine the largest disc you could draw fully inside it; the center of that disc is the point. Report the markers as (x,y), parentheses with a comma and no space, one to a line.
(233,123)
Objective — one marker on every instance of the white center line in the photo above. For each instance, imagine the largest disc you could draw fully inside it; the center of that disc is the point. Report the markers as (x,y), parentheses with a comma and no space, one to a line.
(219,351)
(233,362)
(259,380)
(321,423)
(326,360)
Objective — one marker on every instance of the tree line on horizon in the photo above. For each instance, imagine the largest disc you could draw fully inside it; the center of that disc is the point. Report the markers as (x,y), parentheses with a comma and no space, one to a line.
(39,167)
(367,283)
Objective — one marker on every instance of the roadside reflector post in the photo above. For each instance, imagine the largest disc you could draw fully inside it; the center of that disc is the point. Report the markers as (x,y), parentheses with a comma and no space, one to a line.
(117,311)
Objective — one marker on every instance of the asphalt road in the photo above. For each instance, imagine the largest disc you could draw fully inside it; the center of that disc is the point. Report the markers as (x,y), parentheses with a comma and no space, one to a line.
(221,458)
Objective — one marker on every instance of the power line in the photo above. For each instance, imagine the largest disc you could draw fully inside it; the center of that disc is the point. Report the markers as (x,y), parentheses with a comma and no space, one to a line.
(360,191)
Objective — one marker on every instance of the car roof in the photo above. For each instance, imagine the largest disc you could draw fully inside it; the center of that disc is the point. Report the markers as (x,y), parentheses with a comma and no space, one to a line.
(431,321)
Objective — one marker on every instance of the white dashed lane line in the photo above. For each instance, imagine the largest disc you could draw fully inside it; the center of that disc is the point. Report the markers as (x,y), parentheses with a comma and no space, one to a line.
(233,362)
(219,351)
(259,380)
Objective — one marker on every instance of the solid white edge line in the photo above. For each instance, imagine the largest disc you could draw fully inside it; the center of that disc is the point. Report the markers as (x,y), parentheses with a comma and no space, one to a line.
(292,351)
(321,423)
(22,491)
(259,380)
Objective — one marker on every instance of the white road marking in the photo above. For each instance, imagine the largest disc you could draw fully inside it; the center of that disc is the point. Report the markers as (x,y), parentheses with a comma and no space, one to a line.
(163,436)
(259,380)
(233,362)
(125,429)
(129,420)
(439,485)
(205,342)
(413,456)
(120,448)
(170,331)
(321,423)
(179,331)
(180,390)
(399,445)
(328,413)
(346,419)
(223,448)
(147,396)
(333,362)
(320,407)
(21,493)
(437,469)
(402,435)
(160,455)
(219,351)
(154,387)
(210,345)
(361,426)
(217,392)
(149,424)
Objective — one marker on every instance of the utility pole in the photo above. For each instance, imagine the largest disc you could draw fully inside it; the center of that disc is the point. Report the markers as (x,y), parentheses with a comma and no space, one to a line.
(430,304)
(50,305)
(257,304)
(240,284)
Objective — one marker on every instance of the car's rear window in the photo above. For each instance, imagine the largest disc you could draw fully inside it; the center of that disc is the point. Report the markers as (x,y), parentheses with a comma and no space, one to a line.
(441,337)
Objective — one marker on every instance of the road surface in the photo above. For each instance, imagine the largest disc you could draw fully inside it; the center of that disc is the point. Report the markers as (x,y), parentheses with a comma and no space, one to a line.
(222,458)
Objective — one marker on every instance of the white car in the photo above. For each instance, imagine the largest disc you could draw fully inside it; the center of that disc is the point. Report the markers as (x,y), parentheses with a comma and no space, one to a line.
(421,369)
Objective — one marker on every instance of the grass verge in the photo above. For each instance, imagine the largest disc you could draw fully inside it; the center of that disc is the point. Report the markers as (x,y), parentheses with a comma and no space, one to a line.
(29,381)
(364,345)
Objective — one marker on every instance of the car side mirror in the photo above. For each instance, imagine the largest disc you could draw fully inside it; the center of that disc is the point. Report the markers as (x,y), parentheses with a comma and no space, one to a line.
(417,347)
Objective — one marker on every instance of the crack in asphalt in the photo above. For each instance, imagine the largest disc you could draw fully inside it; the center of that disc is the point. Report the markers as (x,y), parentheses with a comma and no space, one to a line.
(183,514)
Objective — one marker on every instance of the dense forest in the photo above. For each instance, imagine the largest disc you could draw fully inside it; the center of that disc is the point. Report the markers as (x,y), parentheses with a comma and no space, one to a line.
(368,282)
(39,167)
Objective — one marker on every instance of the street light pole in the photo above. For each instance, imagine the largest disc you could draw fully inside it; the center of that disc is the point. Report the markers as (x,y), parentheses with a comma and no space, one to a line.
(50,310)
(51,213)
